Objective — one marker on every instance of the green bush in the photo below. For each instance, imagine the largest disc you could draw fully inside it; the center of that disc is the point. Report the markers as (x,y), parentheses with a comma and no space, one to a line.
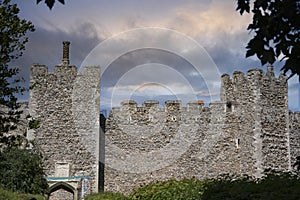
(275,186)
(21,170)
(106,196)
(188,189)
(5,195)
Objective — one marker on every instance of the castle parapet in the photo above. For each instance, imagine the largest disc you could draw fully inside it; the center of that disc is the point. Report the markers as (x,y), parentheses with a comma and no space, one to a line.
(238,77)
(238,88)
(173,105)
(65,71)
(128,102)
(226,87)
(238,82)
(129,105)
(254,74)
(151,103)
(194,106)
(217,107)
(38,70)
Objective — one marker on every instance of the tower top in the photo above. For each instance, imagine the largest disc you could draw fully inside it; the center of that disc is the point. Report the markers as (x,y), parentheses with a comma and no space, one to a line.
(66,59)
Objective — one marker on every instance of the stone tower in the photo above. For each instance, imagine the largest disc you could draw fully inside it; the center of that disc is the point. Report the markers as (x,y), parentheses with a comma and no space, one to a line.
(263,107)
(66,103)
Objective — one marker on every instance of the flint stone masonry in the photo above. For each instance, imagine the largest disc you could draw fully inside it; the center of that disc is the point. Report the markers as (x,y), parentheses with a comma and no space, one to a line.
(66,103)
(294,128)
(249,130)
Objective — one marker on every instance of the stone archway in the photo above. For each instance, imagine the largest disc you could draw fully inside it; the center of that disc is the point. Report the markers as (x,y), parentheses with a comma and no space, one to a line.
(65,190)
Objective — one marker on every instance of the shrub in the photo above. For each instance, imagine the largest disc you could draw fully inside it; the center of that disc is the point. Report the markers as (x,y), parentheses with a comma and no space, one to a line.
(21,170)
(188,189)
(106,196)
(275,186)
(5,195)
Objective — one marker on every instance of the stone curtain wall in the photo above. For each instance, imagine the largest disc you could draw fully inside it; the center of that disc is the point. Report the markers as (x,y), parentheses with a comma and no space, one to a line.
(67,105)
(294,135)
(246,132)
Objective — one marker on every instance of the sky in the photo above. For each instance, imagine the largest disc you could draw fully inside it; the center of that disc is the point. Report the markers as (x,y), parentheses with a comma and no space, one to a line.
(167,49)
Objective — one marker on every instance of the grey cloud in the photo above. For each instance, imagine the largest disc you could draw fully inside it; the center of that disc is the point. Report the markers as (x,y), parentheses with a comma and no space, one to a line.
(45,47)
(139,57)
(132,59)
(228,51)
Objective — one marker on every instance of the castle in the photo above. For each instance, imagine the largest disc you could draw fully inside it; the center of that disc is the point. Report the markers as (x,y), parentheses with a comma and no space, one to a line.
(249,130)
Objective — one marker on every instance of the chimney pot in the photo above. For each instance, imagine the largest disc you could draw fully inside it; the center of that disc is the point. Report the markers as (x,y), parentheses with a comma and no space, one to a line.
(66,60)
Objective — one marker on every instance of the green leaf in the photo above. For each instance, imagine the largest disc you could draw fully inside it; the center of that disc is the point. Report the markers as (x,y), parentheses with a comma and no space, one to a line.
(250,52)
(13,38)
(243,5)
(277,32)
(50,3)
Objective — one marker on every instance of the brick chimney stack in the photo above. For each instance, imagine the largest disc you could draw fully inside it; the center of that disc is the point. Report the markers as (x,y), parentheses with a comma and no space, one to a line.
(66,60)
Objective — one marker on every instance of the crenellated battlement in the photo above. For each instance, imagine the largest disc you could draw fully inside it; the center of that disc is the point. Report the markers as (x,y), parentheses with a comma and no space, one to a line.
(194,106)
(63,71)
(234,91)
(295,117)
(130,107)
(255,75)
(242,94)
(37,71)
(67,70)
(243,85)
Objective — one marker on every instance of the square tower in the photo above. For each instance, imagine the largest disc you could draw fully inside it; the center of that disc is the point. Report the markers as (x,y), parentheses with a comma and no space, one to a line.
(66,103)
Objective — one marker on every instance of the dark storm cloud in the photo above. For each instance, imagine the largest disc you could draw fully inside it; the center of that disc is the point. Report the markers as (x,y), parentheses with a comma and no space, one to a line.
(143,56)
(215,25)
(128,68)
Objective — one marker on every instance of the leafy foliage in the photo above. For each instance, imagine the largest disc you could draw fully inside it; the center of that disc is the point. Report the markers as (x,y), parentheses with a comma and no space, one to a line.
(12,44)
(171,190)
(277,32)
(22,170)
(106,196)
(50,3)
(275,186)
(5,194)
